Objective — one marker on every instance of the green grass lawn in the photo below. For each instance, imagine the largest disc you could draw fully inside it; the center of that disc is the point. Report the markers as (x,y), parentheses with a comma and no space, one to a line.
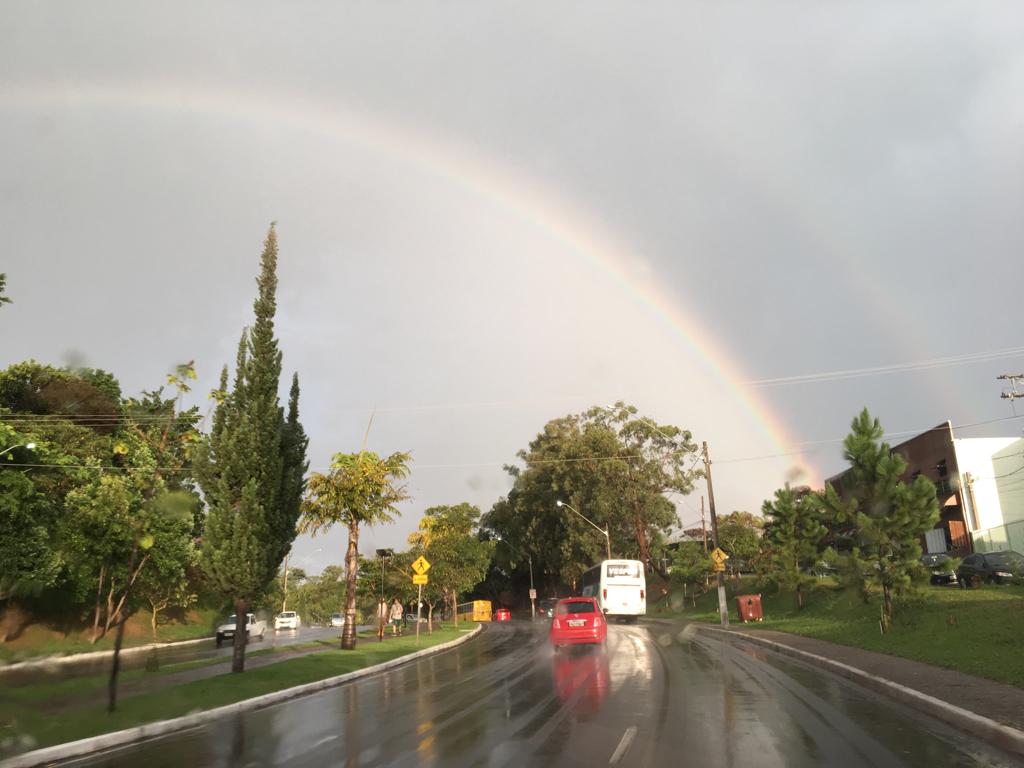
(38,641)
(18,716)
(978,631)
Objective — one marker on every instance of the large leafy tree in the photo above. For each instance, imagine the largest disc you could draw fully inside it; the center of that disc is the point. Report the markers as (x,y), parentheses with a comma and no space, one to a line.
(691,566)
(360,489)
(103,472)
(888,515)
(448,536)
(248,463)
(739,535)
(793,537)
(610,464)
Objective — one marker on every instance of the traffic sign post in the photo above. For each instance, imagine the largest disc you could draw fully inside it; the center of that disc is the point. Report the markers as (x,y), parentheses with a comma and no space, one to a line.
(421,566)
(419,603)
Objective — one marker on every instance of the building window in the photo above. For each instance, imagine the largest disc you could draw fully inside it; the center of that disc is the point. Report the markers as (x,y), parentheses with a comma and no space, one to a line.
(941,468)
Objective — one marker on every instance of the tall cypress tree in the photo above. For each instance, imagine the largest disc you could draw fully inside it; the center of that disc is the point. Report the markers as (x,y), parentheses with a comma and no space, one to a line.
(245,460)
(293,473)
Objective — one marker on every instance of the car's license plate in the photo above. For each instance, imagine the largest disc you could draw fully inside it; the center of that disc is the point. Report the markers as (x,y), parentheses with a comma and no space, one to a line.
(577,622)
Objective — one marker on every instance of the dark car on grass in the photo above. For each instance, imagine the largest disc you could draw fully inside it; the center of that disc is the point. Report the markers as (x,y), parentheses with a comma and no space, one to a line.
(939,565)
(1004,567)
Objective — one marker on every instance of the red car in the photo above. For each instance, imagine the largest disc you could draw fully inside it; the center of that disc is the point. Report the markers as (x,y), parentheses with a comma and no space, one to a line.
(503,614)
(578,620)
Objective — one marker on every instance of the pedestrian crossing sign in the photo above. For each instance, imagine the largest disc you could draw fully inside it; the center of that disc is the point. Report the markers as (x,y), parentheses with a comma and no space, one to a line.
(719,556)
(421,565)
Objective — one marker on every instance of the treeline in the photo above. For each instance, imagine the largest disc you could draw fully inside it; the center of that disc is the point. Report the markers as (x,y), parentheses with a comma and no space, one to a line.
(867,531)
(110,504)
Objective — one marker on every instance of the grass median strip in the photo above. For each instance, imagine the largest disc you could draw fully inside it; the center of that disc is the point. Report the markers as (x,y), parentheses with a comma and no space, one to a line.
(19,719)
(977,631)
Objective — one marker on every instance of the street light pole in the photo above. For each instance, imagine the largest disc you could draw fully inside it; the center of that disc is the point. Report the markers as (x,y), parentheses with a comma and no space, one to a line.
(284,600)
(30,446)
(607,536)
(382,553)
(533,593)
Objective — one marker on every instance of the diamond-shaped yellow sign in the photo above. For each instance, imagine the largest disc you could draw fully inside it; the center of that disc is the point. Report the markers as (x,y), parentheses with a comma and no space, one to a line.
(421,565)
(719,556)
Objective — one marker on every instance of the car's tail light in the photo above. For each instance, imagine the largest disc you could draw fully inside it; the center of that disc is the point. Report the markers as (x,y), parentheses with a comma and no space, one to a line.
(555,624)
(641,594)
(597,620)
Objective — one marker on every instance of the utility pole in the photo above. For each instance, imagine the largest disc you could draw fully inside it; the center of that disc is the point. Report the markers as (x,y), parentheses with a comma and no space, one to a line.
(1014,393)
(703,528)
(723,609)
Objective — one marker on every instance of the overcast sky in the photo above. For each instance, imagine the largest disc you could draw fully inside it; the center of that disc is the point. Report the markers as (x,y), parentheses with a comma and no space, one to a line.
(491,215)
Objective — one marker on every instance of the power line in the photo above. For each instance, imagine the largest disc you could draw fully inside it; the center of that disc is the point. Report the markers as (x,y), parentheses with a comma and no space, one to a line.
(882,370)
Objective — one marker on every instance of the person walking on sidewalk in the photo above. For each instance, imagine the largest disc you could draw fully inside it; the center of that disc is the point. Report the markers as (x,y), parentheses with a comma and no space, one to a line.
(382,618)
(396,617)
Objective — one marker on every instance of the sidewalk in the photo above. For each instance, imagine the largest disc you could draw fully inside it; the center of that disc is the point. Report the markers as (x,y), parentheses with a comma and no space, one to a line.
(988,698)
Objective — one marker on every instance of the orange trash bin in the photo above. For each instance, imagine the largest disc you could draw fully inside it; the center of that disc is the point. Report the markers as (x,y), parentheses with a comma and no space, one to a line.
(749,608)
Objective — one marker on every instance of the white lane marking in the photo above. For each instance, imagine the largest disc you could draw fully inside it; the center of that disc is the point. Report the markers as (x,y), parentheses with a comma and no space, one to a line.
(627,739)
(322,741)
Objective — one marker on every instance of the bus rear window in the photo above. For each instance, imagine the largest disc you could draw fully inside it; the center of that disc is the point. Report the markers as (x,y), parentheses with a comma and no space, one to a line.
(622,570)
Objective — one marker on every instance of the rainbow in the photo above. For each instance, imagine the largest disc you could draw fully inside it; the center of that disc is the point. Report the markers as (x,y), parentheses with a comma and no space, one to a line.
(522,196)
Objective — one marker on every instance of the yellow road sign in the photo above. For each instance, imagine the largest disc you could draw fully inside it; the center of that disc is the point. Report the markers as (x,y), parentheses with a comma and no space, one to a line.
(718,567)
(719,556)
(421,566)
(420,578)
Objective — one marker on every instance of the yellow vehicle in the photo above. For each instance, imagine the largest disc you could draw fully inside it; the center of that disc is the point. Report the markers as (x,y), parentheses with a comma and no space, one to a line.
(478,610)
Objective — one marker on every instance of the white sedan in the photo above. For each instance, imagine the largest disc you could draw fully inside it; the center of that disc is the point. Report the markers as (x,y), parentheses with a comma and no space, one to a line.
(287,620)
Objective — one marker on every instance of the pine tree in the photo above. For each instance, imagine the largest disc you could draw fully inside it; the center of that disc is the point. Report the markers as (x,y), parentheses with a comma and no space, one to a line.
(888,515)
(793,533)
(244,462)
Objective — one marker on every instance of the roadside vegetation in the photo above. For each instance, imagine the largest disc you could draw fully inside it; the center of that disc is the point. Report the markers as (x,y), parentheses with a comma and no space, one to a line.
(29,711)
(975,631)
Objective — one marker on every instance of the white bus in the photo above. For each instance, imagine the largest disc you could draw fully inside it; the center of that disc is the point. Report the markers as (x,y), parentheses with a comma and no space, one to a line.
(619,586)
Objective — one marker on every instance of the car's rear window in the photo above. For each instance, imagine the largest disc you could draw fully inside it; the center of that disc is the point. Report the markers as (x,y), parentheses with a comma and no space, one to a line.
(288,615)
(1011,559)
(576,606)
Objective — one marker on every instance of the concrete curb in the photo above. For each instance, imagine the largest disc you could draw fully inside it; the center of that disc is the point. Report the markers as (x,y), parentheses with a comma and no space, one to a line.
(1003,736)
(107,741)
(47,662)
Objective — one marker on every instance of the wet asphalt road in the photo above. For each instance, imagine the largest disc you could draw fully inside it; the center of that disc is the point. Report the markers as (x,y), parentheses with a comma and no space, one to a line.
(655,697)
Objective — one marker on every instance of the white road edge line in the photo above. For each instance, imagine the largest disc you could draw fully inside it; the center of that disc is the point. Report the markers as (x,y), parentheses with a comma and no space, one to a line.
(627,739)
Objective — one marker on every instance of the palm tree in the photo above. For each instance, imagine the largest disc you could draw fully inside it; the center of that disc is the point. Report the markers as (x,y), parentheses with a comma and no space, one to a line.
(360,489)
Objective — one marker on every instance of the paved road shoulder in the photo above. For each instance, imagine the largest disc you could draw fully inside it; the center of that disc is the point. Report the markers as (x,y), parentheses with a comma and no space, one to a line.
(986,709)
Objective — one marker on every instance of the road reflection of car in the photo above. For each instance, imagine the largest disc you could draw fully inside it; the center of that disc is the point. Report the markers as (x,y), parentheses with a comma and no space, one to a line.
(546,607)
(1005,567)
(582,675)
(337,620)
(577,620)
(502,614)
(286,620)
(937,564)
